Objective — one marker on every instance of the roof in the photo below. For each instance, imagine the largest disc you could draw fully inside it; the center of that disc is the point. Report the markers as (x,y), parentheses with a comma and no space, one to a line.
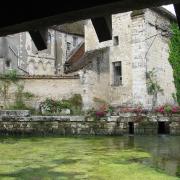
(25,17)
(76,28)
(165,13)
(79,59)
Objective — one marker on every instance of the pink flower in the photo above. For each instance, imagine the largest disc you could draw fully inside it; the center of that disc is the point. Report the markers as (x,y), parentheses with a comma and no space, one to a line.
(100,114)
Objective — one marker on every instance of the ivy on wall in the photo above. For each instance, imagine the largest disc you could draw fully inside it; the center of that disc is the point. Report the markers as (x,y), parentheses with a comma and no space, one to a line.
(174,58)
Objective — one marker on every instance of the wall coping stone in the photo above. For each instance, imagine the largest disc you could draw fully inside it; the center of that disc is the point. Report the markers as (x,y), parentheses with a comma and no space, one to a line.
(17,113)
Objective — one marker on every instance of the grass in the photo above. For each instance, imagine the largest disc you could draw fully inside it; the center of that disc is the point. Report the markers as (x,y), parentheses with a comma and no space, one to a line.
(54,158)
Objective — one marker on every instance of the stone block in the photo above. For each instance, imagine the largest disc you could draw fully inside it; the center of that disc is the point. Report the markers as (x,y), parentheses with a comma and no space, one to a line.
(17,113)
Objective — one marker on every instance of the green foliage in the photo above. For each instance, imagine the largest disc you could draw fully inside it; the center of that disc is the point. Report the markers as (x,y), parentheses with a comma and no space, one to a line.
(174,96)
(6,80)
(20,97)
(168,108)
(19,100)
(66,104)
(76,100)
(49,106)
(174,58)
(152,84)
(28,95)
(11,75)
(74,103)
(153,87)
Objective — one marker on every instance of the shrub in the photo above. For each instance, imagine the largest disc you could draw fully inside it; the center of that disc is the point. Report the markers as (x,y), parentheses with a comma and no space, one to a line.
(169,109)
(49,105)
(76,100)
(74,103)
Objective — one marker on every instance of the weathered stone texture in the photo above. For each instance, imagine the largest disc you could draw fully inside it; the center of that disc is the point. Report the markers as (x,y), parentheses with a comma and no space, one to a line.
(79,125)
(44,87)
(143,45)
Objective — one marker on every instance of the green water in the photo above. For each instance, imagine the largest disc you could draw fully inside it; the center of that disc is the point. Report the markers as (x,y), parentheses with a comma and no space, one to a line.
(92,158)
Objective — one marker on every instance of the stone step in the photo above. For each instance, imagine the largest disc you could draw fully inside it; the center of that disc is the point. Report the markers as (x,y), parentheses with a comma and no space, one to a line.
(17,113)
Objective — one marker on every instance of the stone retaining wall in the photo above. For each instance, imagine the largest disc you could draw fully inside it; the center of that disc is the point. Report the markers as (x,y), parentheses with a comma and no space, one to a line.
(79,125)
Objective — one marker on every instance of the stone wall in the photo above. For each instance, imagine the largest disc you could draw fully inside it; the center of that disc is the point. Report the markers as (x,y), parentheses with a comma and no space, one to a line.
(20,51)
(95,78)
(157,35)
(11,124)
(143,45)
(42,87)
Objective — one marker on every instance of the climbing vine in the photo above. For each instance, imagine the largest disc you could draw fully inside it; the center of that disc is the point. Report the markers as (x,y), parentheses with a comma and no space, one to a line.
(153,87)
(174,58)
(7,80)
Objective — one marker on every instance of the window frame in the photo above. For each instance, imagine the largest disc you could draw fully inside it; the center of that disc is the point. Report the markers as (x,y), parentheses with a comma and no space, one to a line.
(117,74)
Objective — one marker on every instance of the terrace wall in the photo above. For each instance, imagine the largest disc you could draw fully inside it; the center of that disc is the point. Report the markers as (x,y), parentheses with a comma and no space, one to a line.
(23,123)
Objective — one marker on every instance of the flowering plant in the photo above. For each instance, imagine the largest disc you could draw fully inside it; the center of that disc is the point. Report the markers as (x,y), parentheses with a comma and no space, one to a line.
(100,114)
(170,109)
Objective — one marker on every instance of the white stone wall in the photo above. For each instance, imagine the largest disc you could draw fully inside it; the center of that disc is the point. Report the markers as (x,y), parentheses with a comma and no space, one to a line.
(157,55)
(139,60)
(95,80)
(139,53)
(44,62)
(122,28)
(91,39)
(42,88)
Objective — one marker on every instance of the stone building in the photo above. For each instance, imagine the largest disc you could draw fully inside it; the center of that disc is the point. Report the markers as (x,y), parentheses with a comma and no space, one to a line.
(19,52)
(115,71)
(118,70)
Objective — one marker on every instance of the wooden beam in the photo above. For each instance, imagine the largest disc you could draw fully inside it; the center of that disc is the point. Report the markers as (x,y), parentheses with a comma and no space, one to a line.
(103,28)
(177,10)
(26,17)
(40,38)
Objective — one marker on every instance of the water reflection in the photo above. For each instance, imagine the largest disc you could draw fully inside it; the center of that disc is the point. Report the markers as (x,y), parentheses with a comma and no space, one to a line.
(165,151)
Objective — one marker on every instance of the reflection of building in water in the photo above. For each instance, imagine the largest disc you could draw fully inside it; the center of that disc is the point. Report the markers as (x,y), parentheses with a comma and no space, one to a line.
(164,152)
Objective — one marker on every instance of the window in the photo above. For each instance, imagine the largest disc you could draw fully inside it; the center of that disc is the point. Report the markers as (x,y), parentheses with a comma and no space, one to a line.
(117,68)
(68,46)
(8,63)
(75,41)
(116,40)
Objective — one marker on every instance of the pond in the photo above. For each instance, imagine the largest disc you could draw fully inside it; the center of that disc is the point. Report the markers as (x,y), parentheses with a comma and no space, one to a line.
(92,158)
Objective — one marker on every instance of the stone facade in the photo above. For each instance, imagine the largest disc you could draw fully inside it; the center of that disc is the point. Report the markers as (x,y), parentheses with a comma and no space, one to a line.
(79,125)
(143,46)
(23,56)
(140,43)
(45,87)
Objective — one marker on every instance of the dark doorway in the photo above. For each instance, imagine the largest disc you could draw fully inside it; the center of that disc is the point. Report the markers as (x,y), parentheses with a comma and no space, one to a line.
(131,128)
(163,128)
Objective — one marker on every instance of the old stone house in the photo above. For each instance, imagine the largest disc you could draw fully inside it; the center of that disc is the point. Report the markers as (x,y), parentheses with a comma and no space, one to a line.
(119,68)
(115,71)
(19,52)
